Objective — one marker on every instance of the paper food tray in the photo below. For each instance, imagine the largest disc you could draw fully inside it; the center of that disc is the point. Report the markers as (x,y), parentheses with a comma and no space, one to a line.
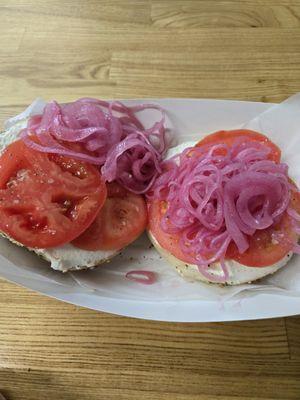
(172,298)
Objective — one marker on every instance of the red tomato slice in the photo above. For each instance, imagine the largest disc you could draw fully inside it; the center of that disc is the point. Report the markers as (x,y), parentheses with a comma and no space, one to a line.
(122,219)
(46,200)
(169,242)
(269,245)
(229,138)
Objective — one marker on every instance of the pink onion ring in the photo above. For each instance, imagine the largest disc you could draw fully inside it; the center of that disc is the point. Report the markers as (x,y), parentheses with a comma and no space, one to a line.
(111,137)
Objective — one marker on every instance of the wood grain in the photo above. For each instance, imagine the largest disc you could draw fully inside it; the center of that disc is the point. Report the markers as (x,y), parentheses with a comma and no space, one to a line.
(62,350)
(238,49)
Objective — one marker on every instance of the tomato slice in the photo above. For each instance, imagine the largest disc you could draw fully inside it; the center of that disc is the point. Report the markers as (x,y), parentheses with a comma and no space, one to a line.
(122,219)
(230,137)
(169,242)
(270,245)
(46,200)
(267,246)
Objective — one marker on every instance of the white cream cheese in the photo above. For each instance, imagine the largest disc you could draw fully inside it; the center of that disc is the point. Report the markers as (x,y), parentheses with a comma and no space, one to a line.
(67,257)
(238,273)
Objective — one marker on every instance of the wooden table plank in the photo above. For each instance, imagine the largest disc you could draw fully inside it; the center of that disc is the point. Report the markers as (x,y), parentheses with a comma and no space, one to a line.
(231,14)
(52,345)
(239,49)
(293,335)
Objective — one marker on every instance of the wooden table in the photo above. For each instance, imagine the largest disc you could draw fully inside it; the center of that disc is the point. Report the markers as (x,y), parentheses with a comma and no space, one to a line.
(236,49)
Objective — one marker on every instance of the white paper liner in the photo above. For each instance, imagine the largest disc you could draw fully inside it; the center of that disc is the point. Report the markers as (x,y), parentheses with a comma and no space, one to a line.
(280,122)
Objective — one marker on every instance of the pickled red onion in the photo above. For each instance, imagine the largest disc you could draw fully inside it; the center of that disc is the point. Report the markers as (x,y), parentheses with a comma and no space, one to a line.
(216,195)
(141,276)
(111,137)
